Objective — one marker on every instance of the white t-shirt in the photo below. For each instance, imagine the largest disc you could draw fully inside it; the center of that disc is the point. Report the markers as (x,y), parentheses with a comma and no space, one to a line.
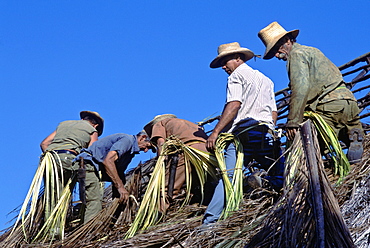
(255,91)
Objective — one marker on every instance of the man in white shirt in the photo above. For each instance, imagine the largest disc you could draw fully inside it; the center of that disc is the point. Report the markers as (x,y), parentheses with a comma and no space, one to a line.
(250,104)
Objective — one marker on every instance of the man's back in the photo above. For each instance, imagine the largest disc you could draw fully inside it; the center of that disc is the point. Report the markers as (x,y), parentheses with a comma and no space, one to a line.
(73,135)
(255,91)
(182,129)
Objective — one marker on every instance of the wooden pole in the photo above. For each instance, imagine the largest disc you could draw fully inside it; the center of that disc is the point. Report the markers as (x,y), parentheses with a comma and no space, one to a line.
(312,166)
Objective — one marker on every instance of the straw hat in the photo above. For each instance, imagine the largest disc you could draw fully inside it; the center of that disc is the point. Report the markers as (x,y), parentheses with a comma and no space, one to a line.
(271,34)
(230,48)
(96,117)
(148,127)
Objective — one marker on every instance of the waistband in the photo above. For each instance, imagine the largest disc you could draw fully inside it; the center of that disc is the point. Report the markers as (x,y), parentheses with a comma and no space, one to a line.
(263,128)
(65,151)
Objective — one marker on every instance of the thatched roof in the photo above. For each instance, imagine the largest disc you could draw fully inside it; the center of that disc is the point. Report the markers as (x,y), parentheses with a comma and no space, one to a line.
(181,228)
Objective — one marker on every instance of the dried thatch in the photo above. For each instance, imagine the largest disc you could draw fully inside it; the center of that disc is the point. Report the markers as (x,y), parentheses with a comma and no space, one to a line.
(356,210)
(181,228)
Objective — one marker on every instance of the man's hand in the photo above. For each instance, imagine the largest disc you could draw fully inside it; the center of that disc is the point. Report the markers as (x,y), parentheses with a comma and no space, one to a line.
(211,142)
(110,168)
(124,195)
(159,141)
(290,133)
(228,114)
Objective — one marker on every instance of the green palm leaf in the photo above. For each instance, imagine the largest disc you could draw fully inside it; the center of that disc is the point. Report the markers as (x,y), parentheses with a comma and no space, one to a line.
(148,213)
(234,188)
(341,164)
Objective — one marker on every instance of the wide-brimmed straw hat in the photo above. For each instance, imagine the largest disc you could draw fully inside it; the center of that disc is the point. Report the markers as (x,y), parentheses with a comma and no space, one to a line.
(148,127)
(99,120)
(228,49)
(271,35)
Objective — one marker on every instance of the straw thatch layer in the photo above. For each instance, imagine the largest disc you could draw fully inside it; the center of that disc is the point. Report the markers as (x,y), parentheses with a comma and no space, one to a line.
(181,228)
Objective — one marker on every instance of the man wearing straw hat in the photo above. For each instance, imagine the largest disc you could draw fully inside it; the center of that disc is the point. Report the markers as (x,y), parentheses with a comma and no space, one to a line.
(72,136)
(316,85)
(165,126)
(111,155)
(60,174)
(250,113)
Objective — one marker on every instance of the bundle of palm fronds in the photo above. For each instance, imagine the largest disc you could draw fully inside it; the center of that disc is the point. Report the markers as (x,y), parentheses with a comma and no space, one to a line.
(307,215)
(203,163)
(233,189)
(335,152)
(42,215)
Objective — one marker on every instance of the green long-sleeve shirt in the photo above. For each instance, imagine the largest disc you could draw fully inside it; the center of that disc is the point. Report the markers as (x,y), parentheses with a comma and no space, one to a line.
(312,76)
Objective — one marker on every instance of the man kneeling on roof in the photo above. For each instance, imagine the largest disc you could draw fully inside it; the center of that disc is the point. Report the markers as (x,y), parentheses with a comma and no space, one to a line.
(111,155)
(317,85)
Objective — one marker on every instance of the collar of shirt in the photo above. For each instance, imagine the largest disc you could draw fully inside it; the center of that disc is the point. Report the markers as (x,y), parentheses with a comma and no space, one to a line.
(135,148)
(240,67)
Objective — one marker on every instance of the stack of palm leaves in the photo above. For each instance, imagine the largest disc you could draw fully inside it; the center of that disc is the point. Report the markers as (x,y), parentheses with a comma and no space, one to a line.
(43,212)
(203,163)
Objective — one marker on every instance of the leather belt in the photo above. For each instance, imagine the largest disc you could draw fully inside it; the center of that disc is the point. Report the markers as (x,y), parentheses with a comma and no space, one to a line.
(66,151)
(261,128)
(258,128)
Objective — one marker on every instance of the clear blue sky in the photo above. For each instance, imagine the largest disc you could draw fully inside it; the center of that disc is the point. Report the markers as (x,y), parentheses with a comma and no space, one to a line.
(132,60)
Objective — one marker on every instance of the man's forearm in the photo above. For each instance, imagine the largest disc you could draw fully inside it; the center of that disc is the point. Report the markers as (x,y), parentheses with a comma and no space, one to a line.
(110,168)
(230,111)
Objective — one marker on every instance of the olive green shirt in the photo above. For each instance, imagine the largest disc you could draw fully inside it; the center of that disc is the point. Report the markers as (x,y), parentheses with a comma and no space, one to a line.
(314,80)
(72,135)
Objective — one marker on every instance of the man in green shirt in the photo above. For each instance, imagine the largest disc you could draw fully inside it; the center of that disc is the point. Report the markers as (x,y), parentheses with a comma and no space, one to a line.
(316,85)
(70,137)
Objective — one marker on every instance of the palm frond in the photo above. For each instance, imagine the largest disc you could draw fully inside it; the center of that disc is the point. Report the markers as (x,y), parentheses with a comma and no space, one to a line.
(234,188)
(341,164)
(293,222)
(55,224)
(148,213)
(46,171)
(41,213)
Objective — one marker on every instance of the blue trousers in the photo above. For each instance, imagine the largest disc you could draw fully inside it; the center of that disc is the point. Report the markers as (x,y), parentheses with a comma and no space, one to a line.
(258,146)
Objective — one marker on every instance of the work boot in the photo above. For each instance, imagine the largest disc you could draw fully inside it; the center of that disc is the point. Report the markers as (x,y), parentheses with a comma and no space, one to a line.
(355,149)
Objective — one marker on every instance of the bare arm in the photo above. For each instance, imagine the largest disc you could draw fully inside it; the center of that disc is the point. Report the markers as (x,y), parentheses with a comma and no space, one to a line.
(228,114)
(110,167)
(47,141)
(93,138)
(160,142)
(274,117)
